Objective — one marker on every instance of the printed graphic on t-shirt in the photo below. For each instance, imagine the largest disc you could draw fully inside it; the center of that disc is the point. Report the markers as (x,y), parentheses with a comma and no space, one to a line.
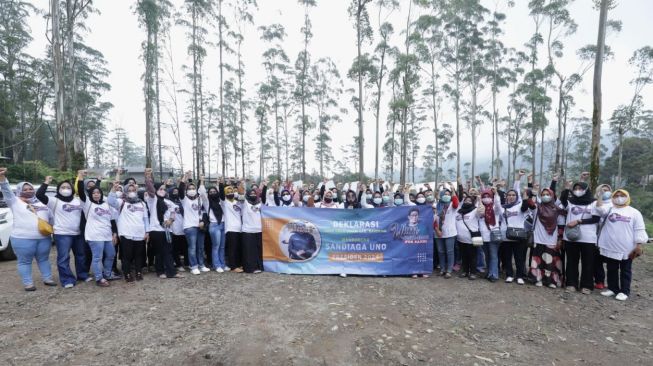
(68,207)
(614,217)
(511,213)
(102,212)
(135,208)
(577,210)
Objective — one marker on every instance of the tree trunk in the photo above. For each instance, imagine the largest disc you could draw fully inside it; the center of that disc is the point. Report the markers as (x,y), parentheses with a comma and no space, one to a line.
(621,151)
(57,65)
(361,143)
(596,113)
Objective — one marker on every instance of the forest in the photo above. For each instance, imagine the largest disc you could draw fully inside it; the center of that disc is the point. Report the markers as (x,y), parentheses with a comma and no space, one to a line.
(428,83)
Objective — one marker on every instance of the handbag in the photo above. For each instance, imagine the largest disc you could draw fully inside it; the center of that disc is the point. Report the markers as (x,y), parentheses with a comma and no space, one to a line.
(44,227)
(522,234)
(477,239)
(574,233)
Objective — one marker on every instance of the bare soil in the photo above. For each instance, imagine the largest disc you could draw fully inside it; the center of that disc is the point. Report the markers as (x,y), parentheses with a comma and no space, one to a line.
(273,319)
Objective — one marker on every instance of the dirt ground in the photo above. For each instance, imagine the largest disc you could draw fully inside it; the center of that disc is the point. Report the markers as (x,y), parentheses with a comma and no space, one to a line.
(273,319)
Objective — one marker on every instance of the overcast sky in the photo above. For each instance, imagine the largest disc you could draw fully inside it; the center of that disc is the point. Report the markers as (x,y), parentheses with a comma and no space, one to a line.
(116,33)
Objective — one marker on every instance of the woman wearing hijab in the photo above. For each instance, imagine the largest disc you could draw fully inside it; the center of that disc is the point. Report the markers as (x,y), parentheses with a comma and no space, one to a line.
(232,210)
(467,226)
(192,205)
(66,210)
(252,238)
(211,201)
(351,201)
(622,234)
(285,199)
(603,196)
(26,240)
(176,214)
(327,201)
(581,210)
(133,228)
(98,232)
(155,197)
(446,230)
(490,227)
(546,263)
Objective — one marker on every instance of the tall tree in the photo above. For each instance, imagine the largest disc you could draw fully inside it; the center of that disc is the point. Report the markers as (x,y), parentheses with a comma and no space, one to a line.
(327,91)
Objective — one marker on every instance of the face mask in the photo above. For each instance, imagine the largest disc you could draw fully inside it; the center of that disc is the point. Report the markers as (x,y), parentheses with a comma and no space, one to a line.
(236,195)
(344,197)
(161,193)
(328,199)
(445,199)
(579,193)
(369,196)
(430,198)
(606,195)
(230,196)
(378,200)
(386,199)
(132,195)
(191,193)
(486,201)
(399,202)
(546,199)
(620,201)
(306,198)
(66,192)
(286,197)
(421,200)
(251,198)
(468,205)
(27,194)
(119,194)
(316,197)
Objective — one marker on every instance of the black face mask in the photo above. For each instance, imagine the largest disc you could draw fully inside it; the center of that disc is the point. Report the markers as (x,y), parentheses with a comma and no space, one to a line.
(327,199)
(213,195)
(230,196)
(467,205)
(251,199)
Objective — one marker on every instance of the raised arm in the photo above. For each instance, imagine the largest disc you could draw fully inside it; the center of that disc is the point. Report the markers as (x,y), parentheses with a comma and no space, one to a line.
(40,193)
(79,183)
(7,193)
(149,183)
(182,185)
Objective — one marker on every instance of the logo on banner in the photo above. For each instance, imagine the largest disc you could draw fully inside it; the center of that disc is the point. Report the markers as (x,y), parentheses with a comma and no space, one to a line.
(300,240)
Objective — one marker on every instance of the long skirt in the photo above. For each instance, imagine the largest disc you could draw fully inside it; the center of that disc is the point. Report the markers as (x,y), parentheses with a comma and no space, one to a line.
(233,249)
(546,265)
(252,252)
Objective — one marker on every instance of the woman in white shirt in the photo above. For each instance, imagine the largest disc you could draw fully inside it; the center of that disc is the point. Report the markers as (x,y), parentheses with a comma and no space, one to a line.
(603,196)
(546,262)
(490,227)
(446,230)
(98,233)
(66,211)
(26,240)
(193,225)
(621,237)
(252,238)
(467,227)
(232,209)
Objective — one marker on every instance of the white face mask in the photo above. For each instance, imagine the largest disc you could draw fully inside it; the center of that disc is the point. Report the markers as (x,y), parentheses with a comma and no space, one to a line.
(579,193)
(306,198)
(378,200)
(119,194)
(620,201)
(487,201)
(65,192)
(286,197)
(344,197)
(316,197)
(132,195)
(421,200)
(236,195)
(161,193)
(191,193)
(546,199)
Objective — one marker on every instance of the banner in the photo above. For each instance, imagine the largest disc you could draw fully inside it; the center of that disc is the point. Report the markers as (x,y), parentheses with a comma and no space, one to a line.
(380,241)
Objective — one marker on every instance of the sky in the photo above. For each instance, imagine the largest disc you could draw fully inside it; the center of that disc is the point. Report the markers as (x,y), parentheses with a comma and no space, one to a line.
(116,33)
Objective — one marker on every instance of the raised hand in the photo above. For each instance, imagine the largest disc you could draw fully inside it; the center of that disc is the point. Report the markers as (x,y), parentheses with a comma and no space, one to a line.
(48,180)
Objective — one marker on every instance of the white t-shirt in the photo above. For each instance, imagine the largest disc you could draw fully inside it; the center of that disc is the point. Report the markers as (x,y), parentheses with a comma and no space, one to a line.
(623,228)
(449,227)
(232,212)
(133,220)
(67,215)
(498,212)
(587,231)
(472,221)
(252,218)
(98,221)
(174,212)
(513,217)
(192,212)
(541,236)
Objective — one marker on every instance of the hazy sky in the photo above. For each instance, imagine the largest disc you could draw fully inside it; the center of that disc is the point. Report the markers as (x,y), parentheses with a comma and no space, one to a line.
(116,33)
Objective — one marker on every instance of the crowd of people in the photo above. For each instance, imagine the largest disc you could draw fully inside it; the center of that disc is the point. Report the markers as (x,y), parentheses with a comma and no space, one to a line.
(528,234)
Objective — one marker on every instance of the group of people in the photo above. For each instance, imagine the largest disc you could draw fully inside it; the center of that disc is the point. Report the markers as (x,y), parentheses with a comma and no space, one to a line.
(529,234)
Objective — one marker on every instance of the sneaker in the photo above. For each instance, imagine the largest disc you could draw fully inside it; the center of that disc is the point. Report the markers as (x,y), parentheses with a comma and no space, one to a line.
(30,288)
(425,276)
(472,277)
(114,276)
(103,283)
(181,269)
(129,278)
(621,296)
(509,279)
(343,275)
(599,286)
(195,271)
(447,275)
(414,276)
(50,283)
(204,269)
(607,293)
(552,285)
(219,270)
(226,269)
(88,279)
(570,289)
(462,275)
(492,279)
(538,283)
(257,271)
(586,291)
(139,276)
(162,276)
(520,281)
(68,285)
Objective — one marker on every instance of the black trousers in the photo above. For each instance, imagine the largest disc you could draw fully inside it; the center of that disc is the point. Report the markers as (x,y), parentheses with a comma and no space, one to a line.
(514,250)
(599,271)
(580,254)
(162,253)
(180,248)
(468,253)
(208,262)
(620,273)
(252,244)
(133,255)
(233,250)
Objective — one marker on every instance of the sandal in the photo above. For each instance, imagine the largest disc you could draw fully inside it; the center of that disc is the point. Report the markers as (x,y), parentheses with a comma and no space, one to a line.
(30,288)
(103,283)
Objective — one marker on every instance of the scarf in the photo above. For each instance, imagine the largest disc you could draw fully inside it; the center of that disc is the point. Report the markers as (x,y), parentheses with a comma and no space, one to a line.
(214,206)
(161,206)
(510,205)
(547,213)
(583,200)
(442,207)
(174,198)
(466,208)
(62,198)
(19,189)
(490,218)
(90,195)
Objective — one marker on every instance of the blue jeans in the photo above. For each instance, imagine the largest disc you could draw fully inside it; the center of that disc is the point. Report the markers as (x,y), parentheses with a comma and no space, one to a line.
(481,264)
(102,268)
(64,244)
(446,253)
(491,251)
(216,231)
(26,251)
(195,239)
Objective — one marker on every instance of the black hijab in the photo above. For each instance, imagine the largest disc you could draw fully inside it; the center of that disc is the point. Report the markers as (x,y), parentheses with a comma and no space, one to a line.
(161,206)
(214,204)
(583,200)
(90,195)
(62,198)
(466,208)
(174,197)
